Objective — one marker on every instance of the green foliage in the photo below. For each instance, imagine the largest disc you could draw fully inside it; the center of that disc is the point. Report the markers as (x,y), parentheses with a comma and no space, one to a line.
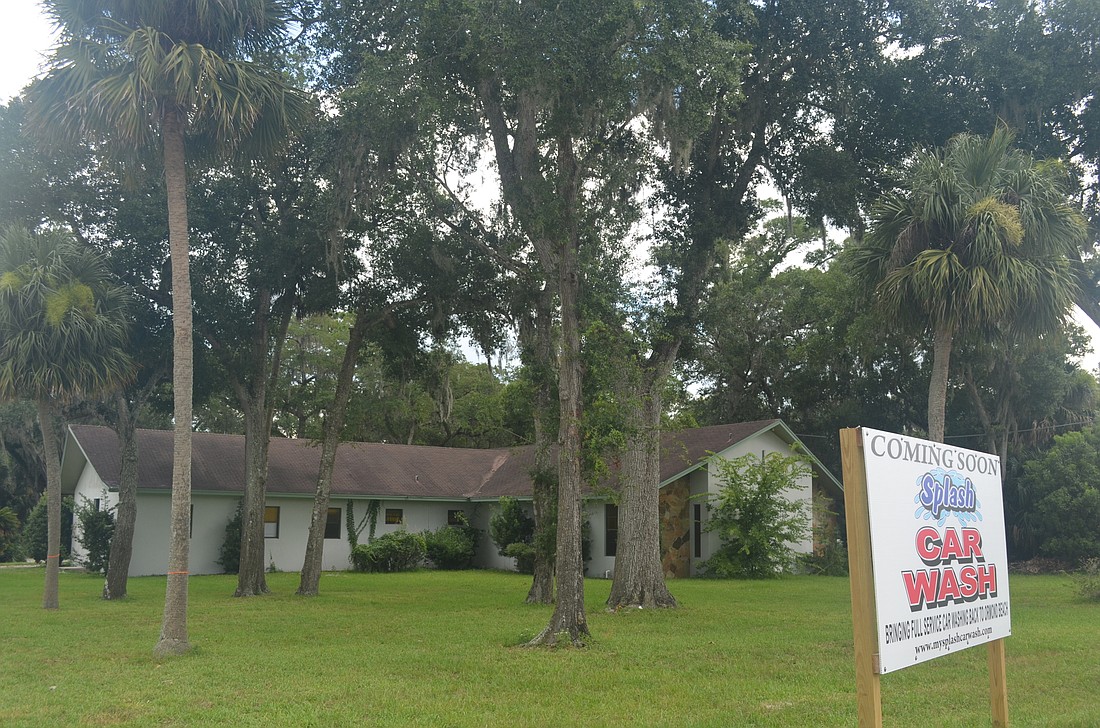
(369,518)
(452,547)
(1087,580)
(510,525)
(829,556)
(9,536)
(140,57)
(34,530)
(752,516)
(524,554)
(397,551)
(1064,485)
(230,554)
(97,525)
(63,319)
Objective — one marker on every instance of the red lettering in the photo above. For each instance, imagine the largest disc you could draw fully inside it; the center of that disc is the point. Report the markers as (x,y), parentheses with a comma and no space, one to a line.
(920,587)
(968,582)
(928,546)
(987,580)
(972,544)
(952,546)
(949,587)
(938,587)
(963,548)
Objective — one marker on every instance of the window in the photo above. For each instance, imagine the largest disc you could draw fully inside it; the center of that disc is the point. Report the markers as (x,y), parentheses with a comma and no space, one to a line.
(697,530)
(332,523)
(611,528)
(456,518)
(96,503)
(271,521)
(395,516)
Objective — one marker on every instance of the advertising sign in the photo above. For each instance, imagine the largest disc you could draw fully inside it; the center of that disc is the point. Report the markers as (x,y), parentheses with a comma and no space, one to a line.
(938,548)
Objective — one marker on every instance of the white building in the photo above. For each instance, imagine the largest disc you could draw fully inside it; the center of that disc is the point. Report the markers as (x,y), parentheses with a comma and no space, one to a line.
(418,487)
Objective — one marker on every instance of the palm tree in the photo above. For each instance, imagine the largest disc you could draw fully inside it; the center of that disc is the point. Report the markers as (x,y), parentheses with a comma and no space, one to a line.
(980,234)
(152,72)
(63,335)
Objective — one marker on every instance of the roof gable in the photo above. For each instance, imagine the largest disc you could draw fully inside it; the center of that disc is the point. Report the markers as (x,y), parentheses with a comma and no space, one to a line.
(690,449)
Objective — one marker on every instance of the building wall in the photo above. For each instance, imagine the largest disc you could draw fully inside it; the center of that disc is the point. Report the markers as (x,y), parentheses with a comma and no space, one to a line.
(211,513)
(487,553)
(90,487)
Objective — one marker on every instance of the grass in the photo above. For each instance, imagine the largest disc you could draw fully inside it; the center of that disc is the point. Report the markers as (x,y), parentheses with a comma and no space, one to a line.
(439,649)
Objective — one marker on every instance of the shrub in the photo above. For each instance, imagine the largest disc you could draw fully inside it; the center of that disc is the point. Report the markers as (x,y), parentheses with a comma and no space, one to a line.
(35,530)
(511,528)
(10,549)
(97,525)
(230,554)
(524,554)
(1087,580)
(452,547)
(397,551)
(1064,484)
(753,518)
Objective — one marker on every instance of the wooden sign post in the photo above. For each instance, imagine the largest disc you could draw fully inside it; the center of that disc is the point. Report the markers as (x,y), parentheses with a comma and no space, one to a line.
(865,639)
(927,558)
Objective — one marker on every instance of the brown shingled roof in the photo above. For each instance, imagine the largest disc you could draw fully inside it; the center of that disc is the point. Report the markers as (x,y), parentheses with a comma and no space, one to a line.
(376,469)
(373,469)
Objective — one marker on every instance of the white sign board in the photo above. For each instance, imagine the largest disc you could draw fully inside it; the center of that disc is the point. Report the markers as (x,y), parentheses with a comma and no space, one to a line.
(938,548)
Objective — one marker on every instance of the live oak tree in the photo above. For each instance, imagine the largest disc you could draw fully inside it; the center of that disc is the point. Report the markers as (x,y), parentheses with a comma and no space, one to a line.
(261,235)
(145,72)
(558,116)
(756,107)
(419,279)
(63,336)
(553,87)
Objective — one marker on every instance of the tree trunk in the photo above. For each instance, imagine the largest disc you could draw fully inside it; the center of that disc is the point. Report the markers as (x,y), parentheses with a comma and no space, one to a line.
(544,476)
(122,541)
(251,580)
(253,395)
(52,455)
(639,575)
(309,584)
(937,386)
(568,619)
(173,633)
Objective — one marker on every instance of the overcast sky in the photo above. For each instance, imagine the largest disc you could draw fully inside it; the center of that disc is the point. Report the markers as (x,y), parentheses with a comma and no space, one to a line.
(25,37)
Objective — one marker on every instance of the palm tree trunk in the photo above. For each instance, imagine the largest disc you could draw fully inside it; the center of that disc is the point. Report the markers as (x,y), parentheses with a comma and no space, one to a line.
(937,387)
(122,541)
(309,584)
(53,502)
(173,633)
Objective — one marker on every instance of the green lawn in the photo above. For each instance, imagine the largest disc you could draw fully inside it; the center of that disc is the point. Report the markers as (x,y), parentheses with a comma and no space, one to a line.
(438,649)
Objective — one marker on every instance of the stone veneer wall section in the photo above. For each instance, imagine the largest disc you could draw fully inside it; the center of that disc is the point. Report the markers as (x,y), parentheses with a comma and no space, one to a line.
(674,506)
